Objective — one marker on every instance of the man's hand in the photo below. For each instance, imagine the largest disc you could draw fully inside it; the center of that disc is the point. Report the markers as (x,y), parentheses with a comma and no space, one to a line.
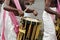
(21,13)
(35,13)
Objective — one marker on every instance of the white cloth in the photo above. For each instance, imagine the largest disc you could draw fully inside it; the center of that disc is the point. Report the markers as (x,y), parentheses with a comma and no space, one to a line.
(49,28)
(9,27)
(0,21)
(53,16)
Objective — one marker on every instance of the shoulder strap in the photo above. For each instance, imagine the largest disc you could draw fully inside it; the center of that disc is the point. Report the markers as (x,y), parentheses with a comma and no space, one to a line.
(17,4)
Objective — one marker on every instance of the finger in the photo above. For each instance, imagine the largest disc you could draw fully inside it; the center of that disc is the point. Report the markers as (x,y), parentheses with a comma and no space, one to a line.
(21,14)
(35,13)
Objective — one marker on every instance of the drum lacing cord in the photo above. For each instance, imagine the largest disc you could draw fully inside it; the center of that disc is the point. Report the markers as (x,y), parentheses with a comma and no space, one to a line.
(28,33)
(18,37)
(38,31)
(23,29)
(34,32)
(58,31)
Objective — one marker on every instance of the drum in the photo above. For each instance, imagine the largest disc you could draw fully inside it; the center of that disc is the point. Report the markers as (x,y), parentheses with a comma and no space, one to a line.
(58,28)
(29,29)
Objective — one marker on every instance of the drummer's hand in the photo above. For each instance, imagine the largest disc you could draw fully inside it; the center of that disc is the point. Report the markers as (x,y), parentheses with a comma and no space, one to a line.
(21,13)
(35,13)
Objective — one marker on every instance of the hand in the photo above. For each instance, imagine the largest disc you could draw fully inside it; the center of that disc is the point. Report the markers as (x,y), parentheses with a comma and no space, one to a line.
(21,13)
(35,13)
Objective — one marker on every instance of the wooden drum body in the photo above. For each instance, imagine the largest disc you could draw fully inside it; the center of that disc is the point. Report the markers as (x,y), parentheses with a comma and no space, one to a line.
(58,28)
(30,29)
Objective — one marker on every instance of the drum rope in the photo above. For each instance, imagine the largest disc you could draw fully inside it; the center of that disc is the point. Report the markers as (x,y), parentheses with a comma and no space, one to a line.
(28,33)
(21,31)
(34,30)
(38,31)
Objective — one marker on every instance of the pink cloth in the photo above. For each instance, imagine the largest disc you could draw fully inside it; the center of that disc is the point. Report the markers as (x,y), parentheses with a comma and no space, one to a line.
(58,6)
(18,7)
(4,15)
(13,18)
(17,4)
(14,21)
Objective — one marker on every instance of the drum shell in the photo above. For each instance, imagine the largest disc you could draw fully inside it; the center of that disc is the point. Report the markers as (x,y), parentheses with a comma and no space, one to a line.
(31,29)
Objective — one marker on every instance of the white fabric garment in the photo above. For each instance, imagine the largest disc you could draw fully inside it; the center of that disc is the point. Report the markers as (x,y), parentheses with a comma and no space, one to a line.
(53,16)
(49,28)
(9,28)
(0,21)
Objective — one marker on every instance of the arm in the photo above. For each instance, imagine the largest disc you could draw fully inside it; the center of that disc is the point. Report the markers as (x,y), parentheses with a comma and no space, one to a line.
(7,7)
(47,7)
(32,11)
(29,10)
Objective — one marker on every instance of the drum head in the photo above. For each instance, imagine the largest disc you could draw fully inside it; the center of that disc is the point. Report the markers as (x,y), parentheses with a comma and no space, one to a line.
(30,19)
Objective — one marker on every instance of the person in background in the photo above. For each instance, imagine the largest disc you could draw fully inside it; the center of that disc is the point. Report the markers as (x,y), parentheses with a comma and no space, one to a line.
(49,27)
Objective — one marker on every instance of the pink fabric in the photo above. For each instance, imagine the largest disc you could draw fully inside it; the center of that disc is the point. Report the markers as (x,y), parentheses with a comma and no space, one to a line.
(58,8)
(3,26)
(14,21)
(18,7)
(13,18)
(17,4)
